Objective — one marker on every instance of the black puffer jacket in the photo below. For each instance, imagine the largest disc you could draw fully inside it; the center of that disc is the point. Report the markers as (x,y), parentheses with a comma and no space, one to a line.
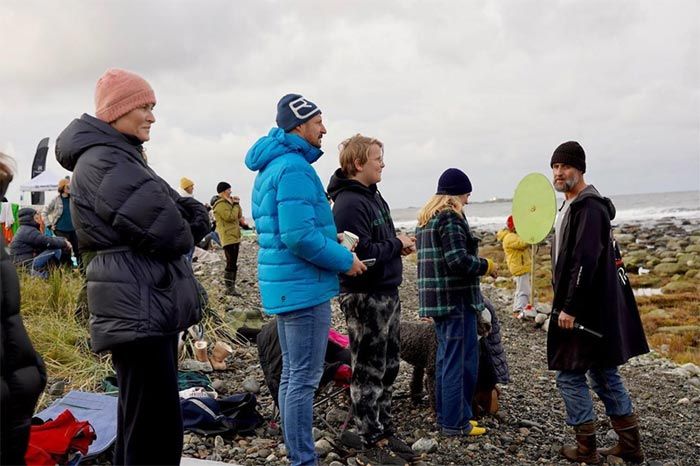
(494,348)
(29,242)
(23,374)
(586,286)
(362,210)
(139,285)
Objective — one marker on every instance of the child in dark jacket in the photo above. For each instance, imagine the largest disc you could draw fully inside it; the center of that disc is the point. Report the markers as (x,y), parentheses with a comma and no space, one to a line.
(370,302)
(29,245)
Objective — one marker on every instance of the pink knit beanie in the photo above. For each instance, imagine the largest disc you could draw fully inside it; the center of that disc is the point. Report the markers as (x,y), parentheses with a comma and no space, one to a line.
(118,92)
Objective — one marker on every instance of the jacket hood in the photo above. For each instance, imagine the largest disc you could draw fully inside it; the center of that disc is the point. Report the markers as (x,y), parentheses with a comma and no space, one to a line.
(590,192)
(218,199)
(502,234)
(84,133)
(339,183)
(25,216)
(276,144)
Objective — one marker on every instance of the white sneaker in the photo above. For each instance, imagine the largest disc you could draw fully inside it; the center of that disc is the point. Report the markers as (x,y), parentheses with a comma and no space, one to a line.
(529,312)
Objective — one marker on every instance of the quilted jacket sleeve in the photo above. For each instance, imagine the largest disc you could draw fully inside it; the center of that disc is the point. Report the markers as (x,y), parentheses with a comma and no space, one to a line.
(137,204)
(296,197)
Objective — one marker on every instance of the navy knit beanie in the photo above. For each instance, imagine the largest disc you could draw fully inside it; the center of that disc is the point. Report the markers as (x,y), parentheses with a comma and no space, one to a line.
(294,110)
(570,153)
(222,186)
(454,182)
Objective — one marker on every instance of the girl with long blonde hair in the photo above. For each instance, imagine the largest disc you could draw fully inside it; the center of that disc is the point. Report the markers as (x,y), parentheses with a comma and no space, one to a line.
(449,268)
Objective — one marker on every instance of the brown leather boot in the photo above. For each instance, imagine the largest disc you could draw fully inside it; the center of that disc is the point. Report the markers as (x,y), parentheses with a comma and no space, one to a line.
(628,446)
(584,451)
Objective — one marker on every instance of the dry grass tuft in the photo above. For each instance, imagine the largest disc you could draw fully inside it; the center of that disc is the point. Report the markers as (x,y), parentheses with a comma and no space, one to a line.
(61,337)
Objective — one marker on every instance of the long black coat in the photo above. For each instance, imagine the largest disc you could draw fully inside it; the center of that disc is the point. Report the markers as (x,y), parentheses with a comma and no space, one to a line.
(139,285)
(586,286)
(23,376)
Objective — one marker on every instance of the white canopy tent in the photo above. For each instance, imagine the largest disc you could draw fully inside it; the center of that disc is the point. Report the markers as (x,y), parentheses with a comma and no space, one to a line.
(45,181)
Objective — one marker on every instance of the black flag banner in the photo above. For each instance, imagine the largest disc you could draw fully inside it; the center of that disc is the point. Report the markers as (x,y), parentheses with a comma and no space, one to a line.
(38,166)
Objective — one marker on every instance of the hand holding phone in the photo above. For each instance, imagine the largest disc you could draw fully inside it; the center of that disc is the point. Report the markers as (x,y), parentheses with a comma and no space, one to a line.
(369,262)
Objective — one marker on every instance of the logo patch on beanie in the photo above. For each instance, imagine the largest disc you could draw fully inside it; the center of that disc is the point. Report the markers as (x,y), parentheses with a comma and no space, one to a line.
(302,108)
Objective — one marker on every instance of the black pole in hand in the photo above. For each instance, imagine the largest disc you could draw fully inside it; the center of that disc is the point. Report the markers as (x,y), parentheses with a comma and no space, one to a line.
(578,326)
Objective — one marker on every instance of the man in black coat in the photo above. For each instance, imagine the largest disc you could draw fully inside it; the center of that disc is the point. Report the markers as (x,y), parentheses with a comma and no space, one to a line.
(589,293)
(23,375)
(371,302)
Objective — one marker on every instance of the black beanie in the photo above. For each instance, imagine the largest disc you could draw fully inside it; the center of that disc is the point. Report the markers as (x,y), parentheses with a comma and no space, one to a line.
(454,182)
(570,153)
(222,186)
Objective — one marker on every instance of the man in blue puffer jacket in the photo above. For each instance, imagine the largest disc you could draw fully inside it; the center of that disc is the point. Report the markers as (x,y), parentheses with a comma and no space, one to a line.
(298,261)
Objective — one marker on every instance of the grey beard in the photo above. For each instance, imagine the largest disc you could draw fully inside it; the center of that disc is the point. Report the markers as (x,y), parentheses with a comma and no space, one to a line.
(568,185)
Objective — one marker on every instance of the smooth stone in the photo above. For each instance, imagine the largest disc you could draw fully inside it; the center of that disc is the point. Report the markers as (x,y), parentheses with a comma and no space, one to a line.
(658,314)
(680,286)
(679,329)
(57,388)
(612,459)
(195,366)
(316,433)
(612,435)
(219,386)
(691,368)
(323,447)
(683,401)
(668,269)
(251,385)
(425,445)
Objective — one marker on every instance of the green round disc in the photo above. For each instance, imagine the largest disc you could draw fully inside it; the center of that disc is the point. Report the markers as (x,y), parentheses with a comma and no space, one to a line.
(534,208)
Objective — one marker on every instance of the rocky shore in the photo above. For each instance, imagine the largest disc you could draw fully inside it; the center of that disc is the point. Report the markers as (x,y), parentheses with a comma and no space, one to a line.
(529,427)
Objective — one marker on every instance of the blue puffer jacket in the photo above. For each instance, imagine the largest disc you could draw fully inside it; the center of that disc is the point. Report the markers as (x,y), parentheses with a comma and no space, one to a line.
(299,257)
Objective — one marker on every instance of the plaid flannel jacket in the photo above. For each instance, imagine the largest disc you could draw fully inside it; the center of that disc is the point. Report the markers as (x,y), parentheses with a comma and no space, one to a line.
(448,266)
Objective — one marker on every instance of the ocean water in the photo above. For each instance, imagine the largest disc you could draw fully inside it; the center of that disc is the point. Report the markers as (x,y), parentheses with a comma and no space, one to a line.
(631,208)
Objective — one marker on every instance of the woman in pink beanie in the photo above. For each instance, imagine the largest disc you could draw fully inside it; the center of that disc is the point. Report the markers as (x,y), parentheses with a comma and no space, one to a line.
(134,230)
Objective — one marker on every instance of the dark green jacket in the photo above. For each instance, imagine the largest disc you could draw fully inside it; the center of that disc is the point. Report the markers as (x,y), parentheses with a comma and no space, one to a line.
(448,266)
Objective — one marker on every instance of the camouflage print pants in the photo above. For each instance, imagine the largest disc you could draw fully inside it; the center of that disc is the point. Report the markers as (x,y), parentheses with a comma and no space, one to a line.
(373,326)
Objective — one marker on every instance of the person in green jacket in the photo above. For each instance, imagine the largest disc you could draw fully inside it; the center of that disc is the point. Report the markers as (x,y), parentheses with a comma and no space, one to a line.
(229,220)
(519,262)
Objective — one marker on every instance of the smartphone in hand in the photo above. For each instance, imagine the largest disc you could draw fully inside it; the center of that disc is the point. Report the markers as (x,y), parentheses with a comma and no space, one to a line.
(369,262)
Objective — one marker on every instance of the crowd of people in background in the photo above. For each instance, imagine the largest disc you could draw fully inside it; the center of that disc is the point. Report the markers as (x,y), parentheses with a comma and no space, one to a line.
(134,238)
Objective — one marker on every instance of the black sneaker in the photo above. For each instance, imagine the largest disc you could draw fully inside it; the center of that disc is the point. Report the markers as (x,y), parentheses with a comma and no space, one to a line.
(401,448)
(379,456)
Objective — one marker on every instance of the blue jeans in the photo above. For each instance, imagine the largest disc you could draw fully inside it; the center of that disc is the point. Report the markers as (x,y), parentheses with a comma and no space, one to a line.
(456,366)
(303,336)
(40,262)
(605,382)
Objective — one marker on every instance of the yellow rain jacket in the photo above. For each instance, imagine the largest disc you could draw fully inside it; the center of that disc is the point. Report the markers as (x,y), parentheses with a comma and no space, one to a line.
(517,251)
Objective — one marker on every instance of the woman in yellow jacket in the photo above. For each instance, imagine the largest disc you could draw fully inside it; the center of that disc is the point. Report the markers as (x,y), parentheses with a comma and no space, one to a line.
(229,219)
(519,262)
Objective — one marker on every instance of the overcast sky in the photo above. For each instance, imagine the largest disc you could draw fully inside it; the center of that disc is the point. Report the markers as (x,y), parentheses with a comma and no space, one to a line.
(491,87)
